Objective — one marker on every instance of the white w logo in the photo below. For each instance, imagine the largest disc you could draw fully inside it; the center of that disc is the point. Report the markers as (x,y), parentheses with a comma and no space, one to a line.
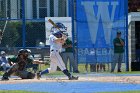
(93,18)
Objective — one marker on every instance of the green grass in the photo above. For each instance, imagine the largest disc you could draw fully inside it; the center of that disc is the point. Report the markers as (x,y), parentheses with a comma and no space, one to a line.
(132,72)
(122,92)
(1,73)
(82,70)
(18,91)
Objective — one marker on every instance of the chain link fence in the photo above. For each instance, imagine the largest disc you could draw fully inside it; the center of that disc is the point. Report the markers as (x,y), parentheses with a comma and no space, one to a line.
(23,23)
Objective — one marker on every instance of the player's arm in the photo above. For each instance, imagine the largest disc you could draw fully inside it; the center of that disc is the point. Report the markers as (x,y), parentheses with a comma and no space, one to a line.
(121,41)
(11,61)
(116,43)
(58,40)
(38,62)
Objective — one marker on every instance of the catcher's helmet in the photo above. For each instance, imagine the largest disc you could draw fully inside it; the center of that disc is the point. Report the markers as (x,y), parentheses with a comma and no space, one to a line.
(28,50)
(21,51)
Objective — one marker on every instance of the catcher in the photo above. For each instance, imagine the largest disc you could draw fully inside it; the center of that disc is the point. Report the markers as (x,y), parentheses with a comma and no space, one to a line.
(18,66)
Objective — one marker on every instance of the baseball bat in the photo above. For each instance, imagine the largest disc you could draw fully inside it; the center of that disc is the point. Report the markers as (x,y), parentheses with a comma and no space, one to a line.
(54,24)
(49,20)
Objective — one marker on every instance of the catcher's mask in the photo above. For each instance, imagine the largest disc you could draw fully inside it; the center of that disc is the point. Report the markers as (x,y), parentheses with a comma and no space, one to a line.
(23,52)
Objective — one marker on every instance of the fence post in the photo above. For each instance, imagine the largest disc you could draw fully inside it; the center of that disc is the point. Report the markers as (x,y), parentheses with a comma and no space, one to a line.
(127,52)
(23,24)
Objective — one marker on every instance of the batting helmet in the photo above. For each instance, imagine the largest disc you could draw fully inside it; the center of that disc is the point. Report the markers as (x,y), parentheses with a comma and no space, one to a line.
(60,26)
(58,34)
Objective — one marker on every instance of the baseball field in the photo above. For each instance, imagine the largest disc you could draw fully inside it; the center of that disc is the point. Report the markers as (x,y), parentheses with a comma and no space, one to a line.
(125,82)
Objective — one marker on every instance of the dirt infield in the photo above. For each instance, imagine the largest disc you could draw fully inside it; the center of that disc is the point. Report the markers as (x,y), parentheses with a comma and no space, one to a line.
(119,79)
(87,83)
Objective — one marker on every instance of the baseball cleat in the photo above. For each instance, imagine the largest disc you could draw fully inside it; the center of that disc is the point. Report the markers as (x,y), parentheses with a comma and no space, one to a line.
(73,78)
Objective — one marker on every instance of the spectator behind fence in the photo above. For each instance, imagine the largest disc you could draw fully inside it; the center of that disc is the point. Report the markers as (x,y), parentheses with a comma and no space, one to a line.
(68,54)
(118,52)
(3,61)
(100,67)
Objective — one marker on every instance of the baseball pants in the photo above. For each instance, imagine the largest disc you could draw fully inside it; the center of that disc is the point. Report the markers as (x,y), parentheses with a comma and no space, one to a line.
(56,60)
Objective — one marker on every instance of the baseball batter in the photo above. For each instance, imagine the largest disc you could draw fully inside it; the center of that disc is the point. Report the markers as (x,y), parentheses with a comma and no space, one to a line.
(56,41)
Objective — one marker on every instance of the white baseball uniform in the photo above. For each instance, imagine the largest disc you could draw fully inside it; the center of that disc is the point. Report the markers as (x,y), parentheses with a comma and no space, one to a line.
(55,57)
